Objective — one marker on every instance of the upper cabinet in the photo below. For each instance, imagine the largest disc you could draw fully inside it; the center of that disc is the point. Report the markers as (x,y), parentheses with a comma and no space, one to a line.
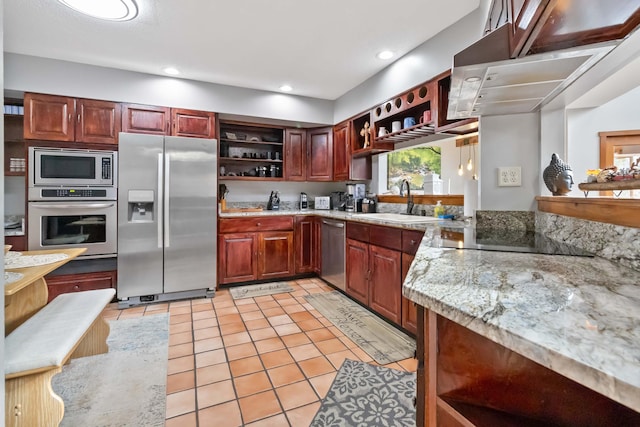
(59,118)
(538,26)
(309,154)
(345,166)
(155,120)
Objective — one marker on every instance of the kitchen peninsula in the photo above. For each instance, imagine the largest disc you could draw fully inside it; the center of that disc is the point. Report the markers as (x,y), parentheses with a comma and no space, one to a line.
(525,339)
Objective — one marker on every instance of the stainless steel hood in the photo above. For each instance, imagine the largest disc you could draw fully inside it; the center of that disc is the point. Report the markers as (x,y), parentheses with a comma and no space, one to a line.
(486,81)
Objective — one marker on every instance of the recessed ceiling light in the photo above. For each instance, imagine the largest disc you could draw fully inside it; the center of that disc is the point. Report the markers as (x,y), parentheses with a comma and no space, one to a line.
(111,10)
(286,88)
(385,54)
(472,79)
(171,71)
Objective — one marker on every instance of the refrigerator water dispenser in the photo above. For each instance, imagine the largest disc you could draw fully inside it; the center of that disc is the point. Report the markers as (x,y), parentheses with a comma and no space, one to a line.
(140,207)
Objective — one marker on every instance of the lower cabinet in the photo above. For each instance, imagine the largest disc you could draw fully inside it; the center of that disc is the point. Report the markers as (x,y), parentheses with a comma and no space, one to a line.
(357,255)
(411,240)
(305,244)
(64,284)
(385,286)
(246,254)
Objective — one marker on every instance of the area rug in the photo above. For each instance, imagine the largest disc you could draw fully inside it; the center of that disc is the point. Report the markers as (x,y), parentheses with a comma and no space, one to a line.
(124,387)
(364,395)
(384,343)
(250,291)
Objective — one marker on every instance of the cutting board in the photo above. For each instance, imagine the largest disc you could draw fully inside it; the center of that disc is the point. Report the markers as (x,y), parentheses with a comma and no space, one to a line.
(232,210)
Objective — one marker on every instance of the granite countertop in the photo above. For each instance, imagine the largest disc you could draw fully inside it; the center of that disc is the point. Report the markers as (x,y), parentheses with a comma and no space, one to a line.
(346,216)
(578,316)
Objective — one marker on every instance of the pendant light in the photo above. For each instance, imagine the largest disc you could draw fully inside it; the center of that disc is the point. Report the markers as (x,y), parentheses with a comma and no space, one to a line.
(460,169)
(475,175)
(469,162)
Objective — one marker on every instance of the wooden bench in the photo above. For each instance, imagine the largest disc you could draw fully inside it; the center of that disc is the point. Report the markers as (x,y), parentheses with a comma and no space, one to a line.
(68,327)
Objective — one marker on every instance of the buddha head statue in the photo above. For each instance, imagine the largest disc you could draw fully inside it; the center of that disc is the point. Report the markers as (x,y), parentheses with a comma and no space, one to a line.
(558,176)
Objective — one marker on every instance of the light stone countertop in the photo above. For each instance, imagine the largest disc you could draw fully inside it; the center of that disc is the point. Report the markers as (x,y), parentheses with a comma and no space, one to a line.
(578,316)
(346,216)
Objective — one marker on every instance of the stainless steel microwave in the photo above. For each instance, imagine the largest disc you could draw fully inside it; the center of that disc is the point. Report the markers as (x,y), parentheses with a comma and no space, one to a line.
(63,167)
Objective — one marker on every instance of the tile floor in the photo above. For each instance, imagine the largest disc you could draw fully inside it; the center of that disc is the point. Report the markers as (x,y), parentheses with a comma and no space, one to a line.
(264,361)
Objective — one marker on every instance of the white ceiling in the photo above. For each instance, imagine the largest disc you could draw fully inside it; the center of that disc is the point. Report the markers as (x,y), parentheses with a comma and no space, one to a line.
(321,48)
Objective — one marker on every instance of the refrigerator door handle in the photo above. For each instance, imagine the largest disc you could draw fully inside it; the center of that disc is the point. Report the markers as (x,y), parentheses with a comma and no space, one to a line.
(167,175)
(160,200)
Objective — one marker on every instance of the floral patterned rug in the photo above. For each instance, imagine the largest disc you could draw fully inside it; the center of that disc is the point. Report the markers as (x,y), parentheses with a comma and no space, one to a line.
(364,395)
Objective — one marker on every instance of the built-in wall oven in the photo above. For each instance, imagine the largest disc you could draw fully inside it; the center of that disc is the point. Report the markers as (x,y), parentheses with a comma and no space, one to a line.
(73,200)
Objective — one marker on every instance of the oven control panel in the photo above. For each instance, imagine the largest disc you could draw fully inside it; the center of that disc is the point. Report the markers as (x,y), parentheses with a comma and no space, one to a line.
(71,192)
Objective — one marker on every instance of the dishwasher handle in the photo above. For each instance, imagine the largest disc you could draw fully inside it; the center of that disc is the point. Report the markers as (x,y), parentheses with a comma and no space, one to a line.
(333,224)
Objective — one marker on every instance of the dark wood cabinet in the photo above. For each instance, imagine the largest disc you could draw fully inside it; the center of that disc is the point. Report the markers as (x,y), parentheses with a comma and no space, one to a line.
(465,379)
(409,309)
(317,245)
(49,117)
(59,118)
(308,154)
(385,287)
(148,119)
(193,123)
(357,277)
(305,244)
(237,257)
(275,254)
(255,249)
(320,154)
(295,157)
(341,151)
(68,283)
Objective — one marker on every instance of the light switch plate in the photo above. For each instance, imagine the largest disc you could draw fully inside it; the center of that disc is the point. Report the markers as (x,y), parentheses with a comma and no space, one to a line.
(509,176)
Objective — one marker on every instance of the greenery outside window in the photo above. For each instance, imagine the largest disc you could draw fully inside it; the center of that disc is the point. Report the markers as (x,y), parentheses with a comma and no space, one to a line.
(412,164)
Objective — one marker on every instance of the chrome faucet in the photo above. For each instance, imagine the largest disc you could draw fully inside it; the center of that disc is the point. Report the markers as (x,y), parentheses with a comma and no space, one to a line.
(409,198)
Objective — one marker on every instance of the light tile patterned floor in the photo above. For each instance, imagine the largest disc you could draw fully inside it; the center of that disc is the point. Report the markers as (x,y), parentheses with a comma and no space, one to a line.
(264,361)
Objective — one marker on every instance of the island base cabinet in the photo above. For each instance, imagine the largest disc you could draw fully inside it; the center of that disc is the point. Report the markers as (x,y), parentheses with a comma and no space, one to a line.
(465,379)
(357,280)
(385,287)
(67,283)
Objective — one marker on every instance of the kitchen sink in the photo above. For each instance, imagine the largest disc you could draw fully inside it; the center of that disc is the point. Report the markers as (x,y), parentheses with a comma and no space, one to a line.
(399,218)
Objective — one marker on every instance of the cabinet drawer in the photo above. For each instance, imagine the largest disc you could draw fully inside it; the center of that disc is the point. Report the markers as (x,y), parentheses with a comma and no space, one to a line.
(262,223)
(357,231)
(386,237)
(68,283)
(411,241)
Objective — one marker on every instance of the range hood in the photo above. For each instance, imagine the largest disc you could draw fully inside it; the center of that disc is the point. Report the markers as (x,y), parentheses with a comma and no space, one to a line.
(486,81)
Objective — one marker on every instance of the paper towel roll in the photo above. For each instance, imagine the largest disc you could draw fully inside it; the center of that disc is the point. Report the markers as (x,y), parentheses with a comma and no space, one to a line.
(470,197)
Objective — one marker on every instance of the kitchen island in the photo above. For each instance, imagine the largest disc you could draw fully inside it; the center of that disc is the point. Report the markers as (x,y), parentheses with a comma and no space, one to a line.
(28,293)
(525,339)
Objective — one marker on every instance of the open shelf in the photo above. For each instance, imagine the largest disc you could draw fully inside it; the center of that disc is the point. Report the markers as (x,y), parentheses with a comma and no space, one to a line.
(250,152)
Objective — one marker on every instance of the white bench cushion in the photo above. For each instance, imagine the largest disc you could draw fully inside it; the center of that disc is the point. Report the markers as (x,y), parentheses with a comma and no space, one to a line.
(48,336)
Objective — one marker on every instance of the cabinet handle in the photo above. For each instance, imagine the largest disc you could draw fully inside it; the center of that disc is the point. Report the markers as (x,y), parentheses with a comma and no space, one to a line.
(78,118)
(413,242)
(76,287)
(258,224)
(69,117)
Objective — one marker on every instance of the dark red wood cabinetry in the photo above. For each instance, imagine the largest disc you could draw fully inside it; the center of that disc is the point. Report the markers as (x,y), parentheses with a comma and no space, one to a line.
(255,249)
(60,118)
(410,243)
(374,268)
(68,283)
(341,151)
(155,120)
(305,244)
(308,154)
(465,379)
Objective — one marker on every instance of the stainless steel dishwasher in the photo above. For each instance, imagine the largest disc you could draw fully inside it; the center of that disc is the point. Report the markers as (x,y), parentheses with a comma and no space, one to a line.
(333,247)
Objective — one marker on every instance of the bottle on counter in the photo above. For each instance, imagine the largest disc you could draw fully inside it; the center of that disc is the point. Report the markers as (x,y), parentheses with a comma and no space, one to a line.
(438,209)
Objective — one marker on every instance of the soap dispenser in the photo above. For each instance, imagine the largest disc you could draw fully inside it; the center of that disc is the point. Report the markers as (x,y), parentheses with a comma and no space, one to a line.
(438,209)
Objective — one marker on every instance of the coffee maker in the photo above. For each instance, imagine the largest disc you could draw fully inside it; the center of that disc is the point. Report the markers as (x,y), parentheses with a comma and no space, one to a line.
(304,201)
(350,202)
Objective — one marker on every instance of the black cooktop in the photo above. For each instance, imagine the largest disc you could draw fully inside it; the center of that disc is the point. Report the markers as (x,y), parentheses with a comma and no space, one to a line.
(508,241)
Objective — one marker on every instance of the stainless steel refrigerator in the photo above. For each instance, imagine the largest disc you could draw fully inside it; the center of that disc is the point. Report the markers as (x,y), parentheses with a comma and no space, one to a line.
(167,213)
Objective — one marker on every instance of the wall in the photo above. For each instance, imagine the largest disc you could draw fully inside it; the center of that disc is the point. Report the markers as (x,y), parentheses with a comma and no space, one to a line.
(2,198)
(253,192)
(511,140)
(32,74)
(424,62)
(583,126)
